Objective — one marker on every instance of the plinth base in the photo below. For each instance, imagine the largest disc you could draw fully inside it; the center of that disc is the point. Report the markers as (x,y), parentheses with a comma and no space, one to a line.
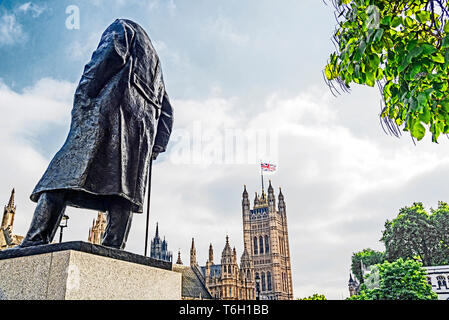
(82,271)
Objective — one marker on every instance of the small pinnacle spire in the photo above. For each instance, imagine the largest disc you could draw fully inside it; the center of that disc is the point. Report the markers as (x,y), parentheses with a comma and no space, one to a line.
(179,258)
(11,199)
(193,243)
(157,229)
(227,239)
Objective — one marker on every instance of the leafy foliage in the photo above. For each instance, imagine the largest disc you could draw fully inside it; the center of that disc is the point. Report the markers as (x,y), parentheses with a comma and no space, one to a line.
(399,280)
(316,296)
(403,46)
(368,257)
(414,234)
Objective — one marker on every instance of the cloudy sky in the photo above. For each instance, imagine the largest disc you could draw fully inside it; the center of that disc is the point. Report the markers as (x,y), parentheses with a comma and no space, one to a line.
(229,66)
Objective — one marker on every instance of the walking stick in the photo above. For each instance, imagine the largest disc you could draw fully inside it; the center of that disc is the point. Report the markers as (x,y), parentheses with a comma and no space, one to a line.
(148,204)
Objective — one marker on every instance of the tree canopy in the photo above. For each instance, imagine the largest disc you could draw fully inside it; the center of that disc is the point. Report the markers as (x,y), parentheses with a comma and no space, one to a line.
(315,296)
(403,46)
(368,257)
(399,280)
(415,234)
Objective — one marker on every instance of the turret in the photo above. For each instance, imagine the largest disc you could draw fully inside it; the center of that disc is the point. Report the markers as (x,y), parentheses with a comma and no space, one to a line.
(193,253)
(179,261)
(281,204)
(271,197)
(9,213)
(211,254)
(245,199)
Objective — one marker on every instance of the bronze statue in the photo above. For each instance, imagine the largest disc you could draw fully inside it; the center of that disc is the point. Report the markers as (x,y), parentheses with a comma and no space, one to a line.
(121,116)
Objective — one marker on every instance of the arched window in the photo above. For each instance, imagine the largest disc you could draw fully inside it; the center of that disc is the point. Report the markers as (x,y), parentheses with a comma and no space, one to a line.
(229,270)
(257,284)
(441,282)
(267,245)
(269,280)
(264,286)
(261,245)
(280,246)
(255,245)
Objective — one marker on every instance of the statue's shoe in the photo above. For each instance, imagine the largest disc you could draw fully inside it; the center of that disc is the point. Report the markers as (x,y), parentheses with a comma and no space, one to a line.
(26,244)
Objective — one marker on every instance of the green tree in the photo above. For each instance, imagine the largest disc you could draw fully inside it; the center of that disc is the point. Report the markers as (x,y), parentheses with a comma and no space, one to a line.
(368,257)
(414,234)
(440,219)
(399,280)
(403,46)
(316,296)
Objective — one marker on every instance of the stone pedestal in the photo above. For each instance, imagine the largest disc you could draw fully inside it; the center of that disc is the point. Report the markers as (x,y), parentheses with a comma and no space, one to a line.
(83,271)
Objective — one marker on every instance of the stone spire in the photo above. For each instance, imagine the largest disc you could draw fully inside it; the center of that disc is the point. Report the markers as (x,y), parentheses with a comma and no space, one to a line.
(179,261)
(9,212)
(211,254)
(271,197)
(11,199)
(193,253)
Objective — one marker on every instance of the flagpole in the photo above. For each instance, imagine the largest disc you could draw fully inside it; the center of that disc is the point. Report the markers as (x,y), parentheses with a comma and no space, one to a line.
(261,173)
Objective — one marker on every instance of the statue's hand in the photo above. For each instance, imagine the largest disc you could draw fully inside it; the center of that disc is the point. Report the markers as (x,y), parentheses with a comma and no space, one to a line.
(154,155)
(156,151)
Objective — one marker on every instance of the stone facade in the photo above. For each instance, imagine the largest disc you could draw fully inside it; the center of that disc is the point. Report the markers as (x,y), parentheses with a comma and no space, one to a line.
(226,281)
(438,278)
(265,235)
(7,238)
(98,229)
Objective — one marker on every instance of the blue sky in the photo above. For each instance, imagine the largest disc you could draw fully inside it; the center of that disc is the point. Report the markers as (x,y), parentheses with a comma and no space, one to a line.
(227,65)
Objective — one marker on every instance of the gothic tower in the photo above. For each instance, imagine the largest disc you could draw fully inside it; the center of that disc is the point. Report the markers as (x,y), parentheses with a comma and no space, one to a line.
(96,232)
(193,254)
(9,212)
(211,254)
(265,235)
(159,248)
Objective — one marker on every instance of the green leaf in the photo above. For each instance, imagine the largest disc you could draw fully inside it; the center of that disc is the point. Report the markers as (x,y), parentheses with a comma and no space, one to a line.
(445,43)
(437,58)
(418,130)
(396,21)
(370,79)
(378,35)
(423,16)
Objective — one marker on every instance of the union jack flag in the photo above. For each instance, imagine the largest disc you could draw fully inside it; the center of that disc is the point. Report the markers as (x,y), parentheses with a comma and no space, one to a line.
(268,167)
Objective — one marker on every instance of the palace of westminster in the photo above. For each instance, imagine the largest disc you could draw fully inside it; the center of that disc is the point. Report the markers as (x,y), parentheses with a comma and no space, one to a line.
(264,271)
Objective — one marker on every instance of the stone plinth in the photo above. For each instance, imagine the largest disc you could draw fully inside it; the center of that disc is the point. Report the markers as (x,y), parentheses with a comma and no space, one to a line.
(82,271)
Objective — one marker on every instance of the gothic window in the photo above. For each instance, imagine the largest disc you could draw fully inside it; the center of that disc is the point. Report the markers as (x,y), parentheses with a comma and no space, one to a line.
(257,284)
(229,270)
(441,282)
(261,245)
(264,286)
(255,245)
(280,246)
(269,280)
(267,245)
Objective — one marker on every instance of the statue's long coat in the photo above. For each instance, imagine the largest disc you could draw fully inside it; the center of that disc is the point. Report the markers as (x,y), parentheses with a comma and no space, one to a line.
(121,109)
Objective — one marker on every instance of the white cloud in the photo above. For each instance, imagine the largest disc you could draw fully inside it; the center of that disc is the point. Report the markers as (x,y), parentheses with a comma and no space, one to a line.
(33,8)
(11,31)
(223,27)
